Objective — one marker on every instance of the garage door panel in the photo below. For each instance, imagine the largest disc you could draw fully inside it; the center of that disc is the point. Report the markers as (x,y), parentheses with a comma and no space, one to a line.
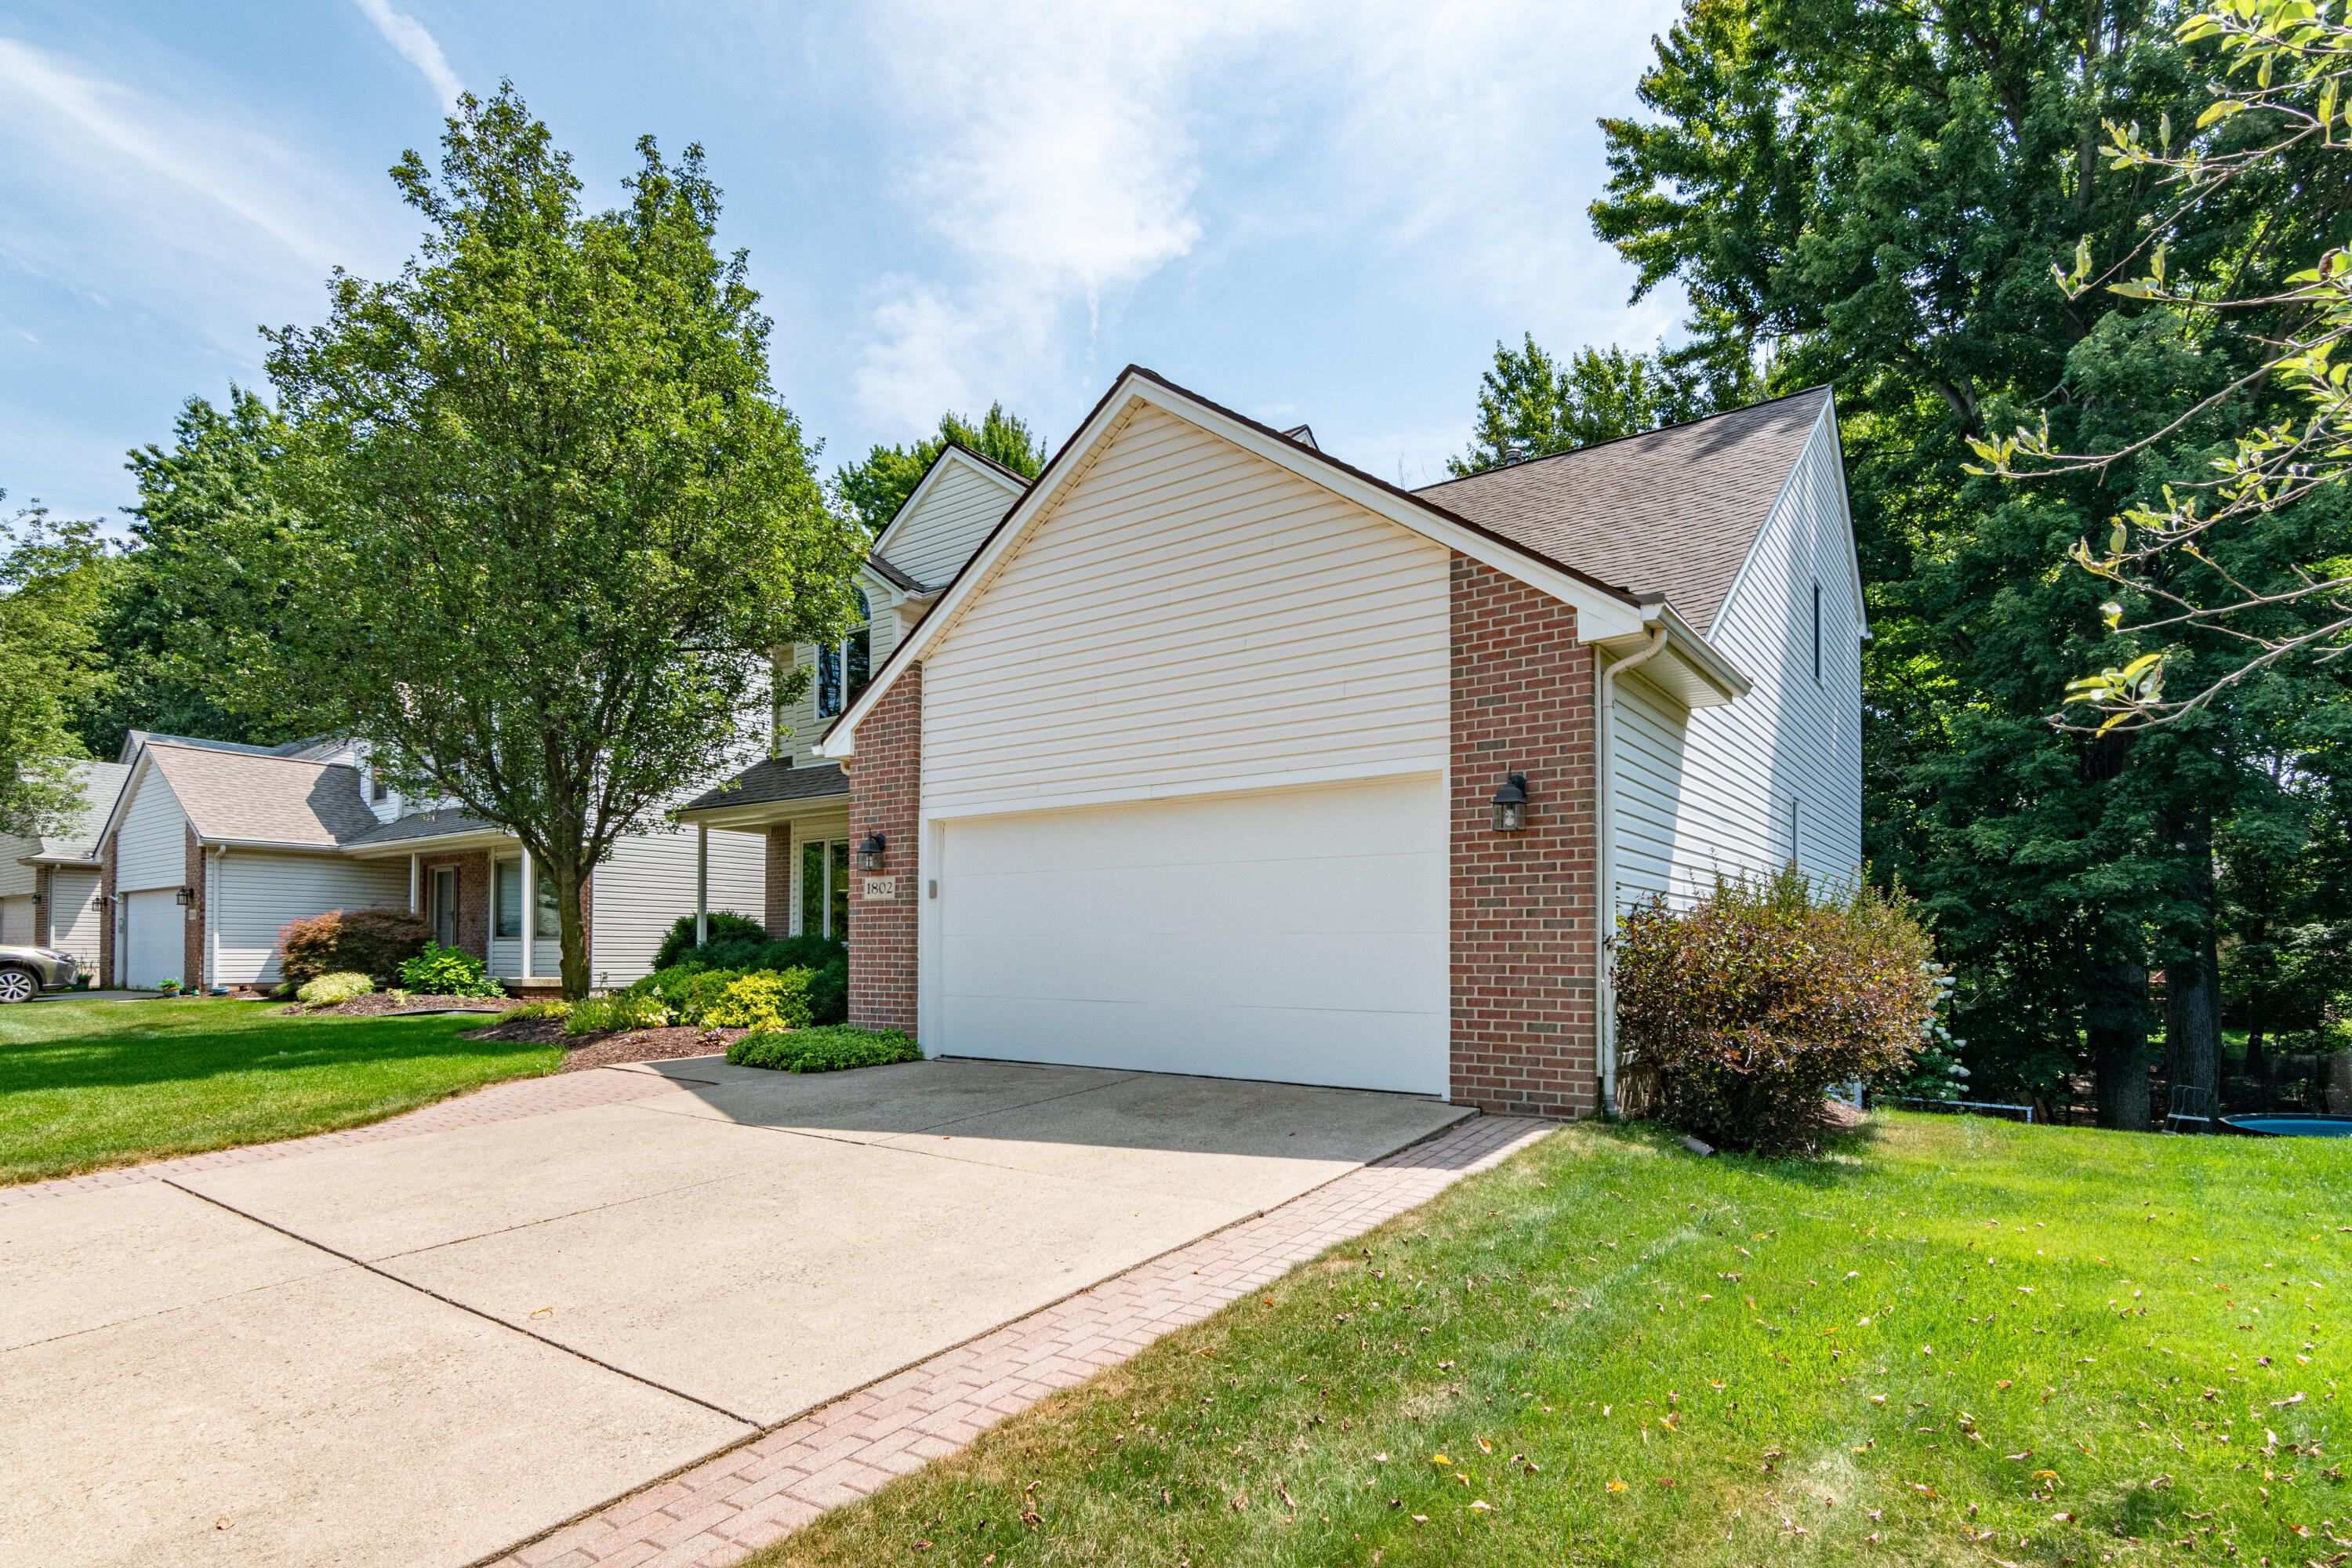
(158,937)
(1356,1050)
(1298,936)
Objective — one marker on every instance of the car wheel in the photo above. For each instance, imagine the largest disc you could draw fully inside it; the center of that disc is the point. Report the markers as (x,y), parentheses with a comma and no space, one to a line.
(18,986)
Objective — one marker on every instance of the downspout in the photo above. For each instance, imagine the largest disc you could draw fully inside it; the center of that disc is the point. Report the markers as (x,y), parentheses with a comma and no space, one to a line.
(1605,899)
(212,918)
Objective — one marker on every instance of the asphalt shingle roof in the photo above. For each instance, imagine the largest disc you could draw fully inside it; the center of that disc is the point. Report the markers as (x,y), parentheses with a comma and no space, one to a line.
(1673,511)
(100,782)
(773,778)
(423,824)
(263,799)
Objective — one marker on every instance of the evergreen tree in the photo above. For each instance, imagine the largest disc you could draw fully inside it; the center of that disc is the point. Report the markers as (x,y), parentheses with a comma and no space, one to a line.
(1531,405)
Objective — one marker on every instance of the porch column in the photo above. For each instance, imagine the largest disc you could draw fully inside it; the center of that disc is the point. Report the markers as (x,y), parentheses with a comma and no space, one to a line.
(529,910)
(415,872)
(701,885)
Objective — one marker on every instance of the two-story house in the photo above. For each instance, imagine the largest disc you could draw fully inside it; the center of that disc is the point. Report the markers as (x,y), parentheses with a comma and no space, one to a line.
(1221,756)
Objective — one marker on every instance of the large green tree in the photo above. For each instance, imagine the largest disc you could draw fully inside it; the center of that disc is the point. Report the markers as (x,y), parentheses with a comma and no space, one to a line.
(544,514)
(873,491)
(1874,196)
(53,578)
(1531,405)
(214,478)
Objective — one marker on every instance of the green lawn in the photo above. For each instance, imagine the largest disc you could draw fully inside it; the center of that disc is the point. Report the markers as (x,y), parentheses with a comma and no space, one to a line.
(1955,1341)
(84,1085)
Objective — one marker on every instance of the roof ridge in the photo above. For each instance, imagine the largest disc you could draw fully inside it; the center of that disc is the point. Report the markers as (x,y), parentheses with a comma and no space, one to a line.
(1632,435)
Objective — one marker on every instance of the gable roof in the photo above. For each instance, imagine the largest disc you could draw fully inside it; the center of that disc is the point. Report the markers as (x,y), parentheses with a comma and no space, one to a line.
(1603,610)
(239,797)
(772,779)
(1015,484)
(101,785)
(1672,512)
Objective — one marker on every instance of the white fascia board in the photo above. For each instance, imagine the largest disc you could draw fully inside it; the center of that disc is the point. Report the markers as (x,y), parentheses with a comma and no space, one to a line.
(437,844)
(1824,421)
(759,816)
(130,786)
(1846,512)
(914,501)
(1599,614)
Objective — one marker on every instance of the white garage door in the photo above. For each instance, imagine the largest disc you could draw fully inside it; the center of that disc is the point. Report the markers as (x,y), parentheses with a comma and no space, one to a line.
(1298,936)
(17,920)
(157,948)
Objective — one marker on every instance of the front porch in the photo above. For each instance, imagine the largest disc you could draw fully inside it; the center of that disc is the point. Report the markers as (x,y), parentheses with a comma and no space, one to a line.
(802,816)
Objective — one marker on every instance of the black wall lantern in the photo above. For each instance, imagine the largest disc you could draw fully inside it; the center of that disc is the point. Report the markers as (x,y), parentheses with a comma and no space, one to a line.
(1511,804)
(187,895)
(870,851)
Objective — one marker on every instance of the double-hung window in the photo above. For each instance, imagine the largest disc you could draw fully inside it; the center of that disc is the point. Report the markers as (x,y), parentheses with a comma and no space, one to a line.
(547,924)
(843,667)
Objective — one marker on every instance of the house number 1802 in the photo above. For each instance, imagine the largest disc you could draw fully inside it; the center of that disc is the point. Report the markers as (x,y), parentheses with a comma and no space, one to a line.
(881,887)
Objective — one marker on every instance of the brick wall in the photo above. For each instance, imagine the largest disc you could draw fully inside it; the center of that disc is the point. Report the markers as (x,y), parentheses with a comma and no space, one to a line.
(192,941)
(777,912)
(885,781)
(1523,941)
(107,959)
(473,898)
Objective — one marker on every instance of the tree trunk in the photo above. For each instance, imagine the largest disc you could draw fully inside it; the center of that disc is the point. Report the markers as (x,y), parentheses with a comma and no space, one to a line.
(2254,1065)
(2118,1035)
(2192,1019)
(568,876)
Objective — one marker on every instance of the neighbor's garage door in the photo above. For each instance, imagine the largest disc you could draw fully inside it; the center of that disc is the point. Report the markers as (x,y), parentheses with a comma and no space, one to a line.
(157,948)
(1298,936)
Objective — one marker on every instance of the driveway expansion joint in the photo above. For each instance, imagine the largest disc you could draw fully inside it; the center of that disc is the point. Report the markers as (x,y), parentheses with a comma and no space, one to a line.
(770,1483)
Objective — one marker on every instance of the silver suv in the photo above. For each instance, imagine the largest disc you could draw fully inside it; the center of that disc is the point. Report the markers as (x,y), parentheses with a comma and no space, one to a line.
(25,971)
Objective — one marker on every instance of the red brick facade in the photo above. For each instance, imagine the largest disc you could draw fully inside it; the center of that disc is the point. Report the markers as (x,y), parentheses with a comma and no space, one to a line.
(1524,903)
(192,942)
(109,961)
(885,783)
(473,898)
(779,871)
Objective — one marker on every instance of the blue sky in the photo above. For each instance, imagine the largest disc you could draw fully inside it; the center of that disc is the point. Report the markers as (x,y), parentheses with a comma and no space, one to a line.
(1306,212)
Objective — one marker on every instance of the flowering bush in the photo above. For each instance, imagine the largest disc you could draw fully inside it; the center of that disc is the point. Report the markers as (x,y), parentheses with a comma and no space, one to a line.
(1734,1016)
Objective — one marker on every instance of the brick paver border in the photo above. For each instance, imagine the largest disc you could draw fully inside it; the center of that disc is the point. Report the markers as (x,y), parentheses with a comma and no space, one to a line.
(723,1508)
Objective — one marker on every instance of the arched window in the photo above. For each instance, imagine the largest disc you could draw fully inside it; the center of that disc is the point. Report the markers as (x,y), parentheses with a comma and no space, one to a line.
(844,667)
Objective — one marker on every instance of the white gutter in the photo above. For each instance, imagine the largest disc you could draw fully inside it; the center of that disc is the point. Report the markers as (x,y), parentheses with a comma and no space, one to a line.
(212,918)
(1605,902)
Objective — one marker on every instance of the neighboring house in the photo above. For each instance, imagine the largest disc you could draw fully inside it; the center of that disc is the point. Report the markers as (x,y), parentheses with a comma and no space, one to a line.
(212,847)
(796,803)
(1192,767)
(48,885)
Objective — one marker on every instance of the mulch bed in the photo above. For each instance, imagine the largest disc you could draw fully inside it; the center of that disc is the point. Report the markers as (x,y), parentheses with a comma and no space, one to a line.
(584,1051)
(379,1004)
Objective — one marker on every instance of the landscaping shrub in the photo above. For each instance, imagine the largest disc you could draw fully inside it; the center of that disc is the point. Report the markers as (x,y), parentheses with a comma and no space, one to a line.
(374,943)
(726,926)
(1735,1015)
(828,990)
(531,1010)
(445,971)
(824,1049)
(328,989)
(618,1011)
(763,1000)
(686,989)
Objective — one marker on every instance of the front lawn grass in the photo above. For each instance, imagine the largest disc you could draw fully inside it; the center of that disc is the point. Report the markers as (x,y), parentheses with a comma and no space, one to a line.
(1952,1341)
(85,1084)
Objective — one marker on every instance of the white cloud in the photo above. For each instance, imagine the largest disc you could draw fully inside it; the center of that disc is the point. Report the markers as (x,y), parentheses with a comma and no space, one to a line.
(1056,151)
(407,34)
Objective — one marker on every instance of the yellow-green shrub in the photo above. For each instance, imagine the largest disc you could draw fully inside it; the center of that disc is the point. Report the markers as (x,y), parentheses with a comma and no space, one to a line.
(775,999)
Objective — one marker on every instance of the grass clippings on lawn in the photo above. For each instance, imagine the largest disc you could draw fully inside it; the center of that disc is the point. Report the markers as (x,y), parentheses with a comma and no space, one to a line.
(1951,1342)
(88,1085)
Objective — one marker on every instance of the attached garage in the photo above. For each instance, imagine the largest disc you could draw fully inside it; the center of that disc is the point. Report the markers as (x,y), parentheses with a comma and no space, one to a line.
(1296,935)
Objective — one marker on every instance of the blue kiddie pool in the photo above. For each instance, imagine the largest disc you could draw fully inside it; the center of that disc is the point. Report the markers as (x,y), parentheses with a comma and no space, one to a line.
(2289,1124)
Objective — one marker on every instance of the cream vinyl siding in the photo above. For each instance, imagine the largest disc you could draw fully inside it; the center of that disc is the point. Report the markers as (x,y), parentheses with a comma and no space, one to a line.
(1188,615)
(76,919)
(647,884)
(1717,788)
(932,544)
(14,876)
(150,848)
(259,890)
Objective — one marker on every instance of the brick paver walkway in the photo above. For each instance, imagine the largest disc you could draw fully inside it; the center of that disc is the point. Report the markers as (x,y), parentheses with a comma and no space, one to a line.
(724,1508)
(499,1102)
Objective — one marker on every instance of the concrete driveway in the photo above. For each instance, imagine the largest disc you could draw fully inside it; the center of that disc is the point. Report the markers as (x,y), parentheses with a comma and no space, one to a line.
(423,1349)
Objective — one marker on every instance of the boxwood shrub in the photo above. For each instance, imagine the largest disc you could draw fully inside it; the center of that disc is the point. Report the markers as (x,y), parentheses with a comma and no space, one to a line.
(726,926)
(824,1049)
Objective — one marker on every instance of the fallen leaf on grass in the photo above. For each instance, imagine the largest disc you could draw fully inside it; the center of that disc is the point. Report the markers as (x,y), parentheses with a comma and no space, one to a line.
(1614,1487)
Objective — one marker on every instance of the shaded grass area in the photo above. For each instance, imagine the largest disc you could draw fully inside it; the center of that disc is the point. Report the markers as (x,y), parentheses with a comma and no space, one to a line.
(1954,1340)
(85,1084)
